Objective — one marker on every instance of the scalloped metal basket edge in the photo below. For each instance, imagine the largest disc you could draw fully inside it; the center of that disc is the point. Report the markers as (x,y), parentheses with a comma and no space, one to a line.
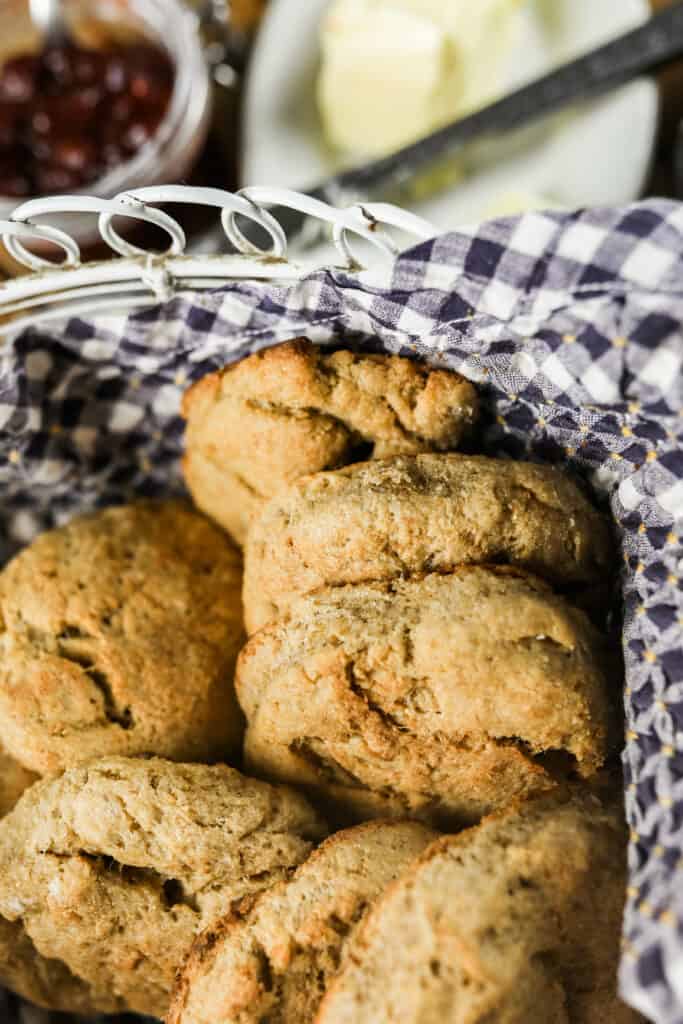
(137,277)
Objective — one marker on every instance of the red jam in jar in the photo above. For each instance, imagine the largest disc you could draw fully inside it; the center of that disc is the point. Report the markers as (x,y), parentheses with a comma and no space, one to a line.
(70,114)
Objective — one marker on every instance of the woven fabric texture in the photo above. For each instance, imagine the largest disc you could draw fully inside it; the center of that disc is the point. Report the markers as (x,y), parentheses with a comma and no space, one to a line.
(572,326)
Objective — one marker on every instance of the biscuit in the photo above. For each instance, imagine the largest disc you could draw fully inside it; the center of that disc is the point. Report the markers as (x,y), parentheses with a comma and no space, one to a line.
(275,962)
(416,514)
(38,978)
(119,634)
(439,697)
(256,426)
(108,872)
(516,921)
(14,779)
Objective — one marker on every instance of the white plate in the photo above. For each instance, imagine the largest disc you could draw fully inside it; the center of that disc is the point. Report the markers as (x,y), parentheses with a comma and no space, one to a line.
(600,155)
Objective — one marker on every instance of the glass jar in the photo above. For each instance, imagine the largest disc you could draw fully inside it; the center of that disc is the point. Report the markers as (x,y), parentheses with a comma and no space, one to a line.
(171,153)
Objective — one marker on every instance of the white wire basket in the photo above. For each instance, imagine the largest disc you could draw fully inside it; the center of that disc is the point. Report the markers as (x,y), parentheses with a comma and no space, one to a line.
(137,277)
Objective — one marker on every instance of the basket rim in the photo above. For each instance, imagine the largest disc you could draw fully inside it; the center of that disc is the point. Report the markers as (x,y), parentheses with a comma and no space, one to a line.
(136,276)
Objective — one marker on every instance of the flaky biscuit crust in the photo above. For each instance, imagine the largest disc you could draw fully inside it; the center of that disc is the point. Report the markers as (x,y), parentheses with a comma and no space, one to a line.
(441,697)
(256,426)
(109,871)
(119,635)
(415,514)
(275,962)
(515,921)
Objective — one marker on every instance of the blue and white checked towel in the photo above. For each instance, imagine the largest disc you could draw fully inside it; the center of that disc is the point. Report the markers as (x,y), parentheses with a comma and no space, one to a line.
(571,324)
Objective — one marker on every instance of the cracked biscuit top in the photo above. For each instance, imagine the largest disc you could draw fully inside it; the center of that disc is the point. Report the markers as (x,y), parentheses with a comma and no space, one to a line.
(274,962)
(256,426)
(517,921)
(108,872)
(119,634)
(415,514)
(442,696)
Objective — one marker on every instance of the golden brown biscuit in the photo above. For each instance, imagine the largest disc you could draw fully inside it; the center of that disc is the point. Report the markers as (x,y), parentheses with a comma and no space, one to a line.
(256,426)
(119,635)
(14,779)
(415,514)
(516,921)
(440,697)
(109,871)
(275,963)
(36,977)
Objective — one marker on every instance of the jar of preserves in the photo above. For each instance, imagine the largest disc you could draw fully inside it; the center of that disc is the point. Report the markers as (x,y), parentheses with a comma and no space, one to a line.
(125,103)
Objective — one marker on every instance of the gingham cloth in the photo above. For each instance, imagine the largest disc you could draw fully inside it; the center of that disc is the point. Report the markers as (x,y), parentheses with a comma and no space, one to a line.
(571,323)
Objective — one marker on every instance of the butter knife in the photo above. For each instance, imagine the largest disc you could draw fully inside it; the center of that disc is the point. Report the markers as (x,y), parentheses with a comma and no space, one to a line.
(645,49)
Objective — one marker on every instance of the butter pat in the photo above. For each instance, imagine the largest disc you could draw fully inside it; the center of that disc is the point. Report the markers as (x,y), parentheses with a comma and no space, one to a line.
(393,70)
(384,75)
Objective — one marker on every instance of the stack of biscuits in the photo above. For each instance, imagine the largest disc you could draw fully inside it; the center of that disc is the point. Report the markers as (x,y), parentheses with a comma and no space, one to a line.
(357,771)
